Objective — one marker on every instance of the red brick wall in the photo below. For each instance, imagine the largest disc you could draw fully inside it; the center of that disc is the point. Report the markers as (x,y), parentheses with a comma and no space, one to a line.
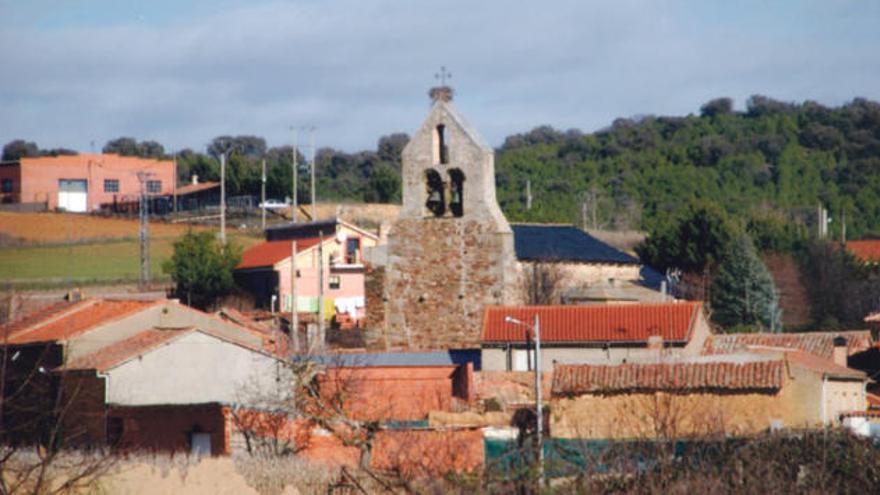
(428,453)
(386,393)
(168,428)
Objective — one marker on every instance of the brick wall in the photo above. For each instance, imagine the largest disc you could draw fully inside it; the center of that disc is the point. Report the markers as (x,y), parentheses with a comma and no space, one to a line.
(168,428)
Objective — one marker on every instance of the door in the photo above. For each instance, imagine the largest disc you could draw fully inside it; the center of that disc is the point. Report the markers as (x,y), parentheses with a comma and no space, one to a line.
(73,195)
(201,444)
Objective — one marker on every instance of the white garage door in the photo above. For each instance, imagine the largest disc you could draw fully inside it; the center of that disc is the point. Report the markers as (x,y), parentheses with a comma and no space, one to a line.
(73,195)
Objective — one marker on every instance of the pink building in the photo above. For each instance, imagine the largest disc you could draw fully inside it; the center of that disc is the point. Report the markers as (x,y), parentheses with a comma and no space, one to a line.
(265,269)
(81,183)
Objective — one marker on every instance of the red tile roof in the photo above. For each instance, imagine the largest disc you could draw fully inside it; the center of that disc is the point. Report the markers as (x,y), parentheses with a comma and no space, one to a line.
(867,250)
(818,343)
(821,365)
(42,315)
(599,323)
(53,324)
(119,352)
(191,188)
(585,379)
(270,252)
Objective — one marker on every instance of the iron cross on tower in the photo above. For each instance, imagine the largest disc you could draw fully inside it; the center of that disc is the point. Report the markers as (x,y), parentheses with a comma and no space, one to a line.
(443,75)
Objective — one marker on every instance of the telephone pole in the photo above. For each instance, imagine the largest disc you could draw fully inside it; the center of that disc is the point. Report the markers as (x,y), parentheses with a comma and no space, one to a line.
(295,183)
(314,199)
(144,231)
(321,337)
(528,194)
(223,197)
(263,197)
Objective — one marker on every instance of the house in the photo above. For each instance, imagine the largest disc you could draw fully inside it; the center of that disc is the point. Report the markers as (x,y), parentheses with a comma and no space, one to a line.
(451,252)
(82,183)
(819,344)
(868,250)
(731,395)
(331,250)
(400,386)
(133,374)
(197,195)
(608,334)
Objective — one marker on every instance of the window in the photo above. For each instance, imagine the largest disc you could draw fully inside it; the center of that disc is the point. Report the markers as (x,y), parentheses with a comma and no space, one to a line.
(154,186)
(352,246)
(111,185)
(6,186)
(335,282)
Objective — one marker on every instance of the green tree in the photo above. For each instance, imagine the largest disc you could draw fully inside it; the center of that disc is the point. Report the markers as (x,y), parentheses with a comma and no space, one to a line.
(384,185)
(201,268)
(696,242)
(20,148)
(743,292)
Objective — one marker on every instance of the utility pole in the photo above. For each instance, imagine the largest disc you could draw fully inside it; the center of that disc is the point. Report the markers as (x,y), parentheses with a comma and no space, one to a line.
(843,226)
(294,316)
(528,194)
(314,200)
(321,338)
(223,197)
(174,184)
(294,186)
(144,231)
(263,197)
(539,411)
(539,426)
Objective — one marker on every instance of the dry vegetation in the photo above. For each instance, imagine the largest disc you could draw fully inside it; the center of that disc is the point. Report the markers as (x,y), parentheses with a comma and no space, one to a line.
(55,228)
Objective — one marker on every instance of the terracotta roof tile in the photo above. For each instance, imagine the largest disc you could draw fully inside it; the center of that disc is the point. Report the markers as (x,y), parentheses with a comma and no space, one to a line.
(270,252)
(821,365)
(585,379)
(867,250)
(119,352)
(40,316)
(192,188)
(818,343)
(81,318)
(599,323)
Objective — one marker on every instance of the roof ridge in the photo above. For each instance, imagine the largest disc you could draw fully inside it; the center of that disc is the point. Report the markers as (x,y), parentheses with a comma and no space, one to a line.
(74,308)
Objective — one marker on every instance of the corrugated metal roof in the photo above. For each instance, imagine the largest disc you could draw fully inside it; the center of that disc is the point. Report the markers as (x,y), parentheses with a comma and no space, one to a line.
(599,323)
(268,253)
(817,343)
(379,359)
(680,377)
(534,242)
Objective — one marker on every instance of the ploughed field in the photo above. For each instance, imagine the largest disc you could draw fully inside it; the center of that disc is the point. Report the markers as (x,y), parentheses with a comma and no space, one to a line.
(52,249)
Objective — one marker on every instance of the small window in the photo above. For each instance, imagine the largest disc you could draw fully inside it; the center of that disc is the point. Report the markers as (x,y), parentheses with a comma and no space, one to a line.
(6,186)
(335,282)
(352,248)
(111,185)
(154,186)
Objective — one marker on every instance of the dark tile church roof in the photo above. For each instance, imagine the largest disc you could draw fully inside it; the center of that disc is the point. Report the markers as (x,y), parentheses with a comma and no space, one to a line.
(534,242)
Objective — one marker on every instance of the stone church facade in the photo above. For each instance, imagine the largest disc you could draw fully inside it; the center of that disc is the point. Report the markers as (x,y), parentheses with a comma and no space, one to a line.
(450,253)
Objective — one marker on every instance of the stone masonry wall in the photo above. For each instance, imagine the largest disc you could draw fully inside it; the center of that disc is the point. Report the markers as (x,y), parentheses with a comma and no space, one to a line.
(442,273)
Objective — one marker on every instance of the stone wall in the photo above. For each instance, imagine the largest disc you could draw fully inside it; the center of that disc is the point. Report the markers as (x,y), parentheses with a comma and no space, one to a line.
(442,273)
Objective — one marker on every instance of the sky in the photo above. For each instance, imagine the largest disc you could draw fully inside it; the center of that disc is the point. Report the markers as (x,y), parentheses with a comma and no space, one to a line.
(77,72)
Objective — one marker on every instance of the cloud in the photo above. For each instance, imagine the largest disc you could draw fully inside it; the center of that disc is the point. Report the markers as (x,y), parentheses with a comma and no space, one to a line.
(359,69)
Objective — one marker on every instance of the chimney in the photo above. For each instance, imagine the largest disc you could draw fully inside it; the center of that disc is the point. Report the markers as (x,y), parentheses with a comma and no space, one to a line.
(195,179)
(655,346)
(840,355)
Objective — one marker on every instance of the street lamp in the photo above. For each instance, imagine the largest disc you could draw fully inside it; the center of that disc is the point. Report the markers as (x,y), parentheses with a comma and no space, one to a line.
(539,426)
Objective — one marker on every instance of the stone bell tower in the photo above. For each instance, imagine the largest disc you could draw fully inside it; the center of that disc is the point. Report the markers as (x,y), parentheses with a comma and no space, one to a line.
(450,252)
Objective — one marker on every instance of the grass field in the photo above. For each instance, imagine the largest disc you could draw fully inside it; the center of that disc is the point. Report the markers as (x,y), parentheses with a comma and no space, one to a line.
(59,249)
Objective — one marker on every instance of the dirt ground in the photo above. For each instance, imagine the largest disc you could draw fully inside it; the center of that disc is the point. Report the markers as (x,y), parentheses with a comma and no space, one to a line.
(65,227)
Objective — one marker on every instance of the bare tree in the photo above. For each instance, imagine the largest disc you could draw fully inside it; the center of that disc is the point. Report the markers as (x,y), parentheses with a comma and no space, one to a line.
(542,282)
